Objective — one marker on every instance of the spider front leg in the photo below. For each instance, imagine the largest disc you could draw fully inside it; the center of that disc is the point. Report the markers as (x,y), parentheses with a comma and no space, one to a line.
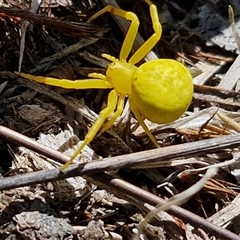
(104,114)
(132,30)
(151,42)
(116,114)
(98,81)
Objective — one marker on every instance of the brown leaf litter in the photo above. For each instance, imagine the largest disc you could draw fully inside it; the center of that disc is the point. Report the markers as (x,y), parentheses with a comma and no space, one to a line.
(39,202)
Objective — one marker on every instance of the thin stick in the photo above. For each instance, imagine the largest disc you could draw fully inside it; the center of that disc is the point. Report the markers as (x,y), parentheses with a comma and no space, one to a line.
(133,160)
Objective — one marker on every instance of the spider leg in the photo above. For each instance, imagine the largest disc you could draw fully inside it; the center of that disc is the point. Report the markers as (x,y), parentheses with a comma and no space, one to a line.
(99,81)
(105,113)
(142,123)
(97,75)
(151,42)
(131,33)
(115,115)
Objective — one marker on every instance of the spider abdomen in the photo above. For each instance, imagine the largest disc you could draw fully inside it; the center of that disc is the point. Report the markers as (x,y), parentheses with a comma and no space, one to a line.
(162,90)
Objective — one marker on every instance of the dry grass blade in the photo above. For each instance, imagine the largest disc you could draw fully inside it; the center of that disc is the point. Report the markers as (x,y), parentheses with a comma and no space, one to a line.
(229,122)
(176,200)
(232,76)
(233,26)
(34,7)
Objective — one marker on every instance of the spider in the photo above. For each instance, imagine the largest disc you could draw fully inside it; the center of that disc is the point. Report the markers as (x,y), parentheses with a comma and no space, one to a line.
(160,90)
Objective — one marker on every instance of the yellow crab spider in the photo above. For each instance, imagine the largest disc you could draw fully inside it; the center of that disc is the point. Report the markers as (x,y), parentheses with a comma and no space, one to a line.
(159,90)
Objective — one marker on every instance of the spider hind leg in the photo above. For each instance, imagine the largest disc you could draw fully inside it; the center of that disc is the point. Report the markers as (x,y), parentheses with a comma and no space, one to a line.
(142,123)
